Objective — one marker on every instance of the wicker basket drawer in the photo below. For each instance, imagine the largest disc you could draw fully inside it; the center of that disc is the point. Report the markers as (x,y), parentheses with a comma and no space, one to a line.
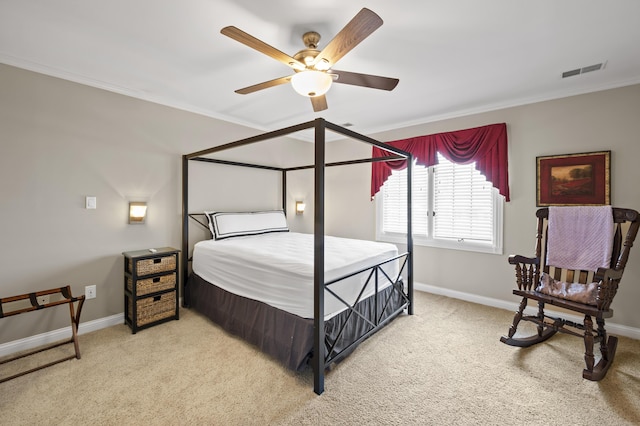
(154,265)
(151,285)
(152,309)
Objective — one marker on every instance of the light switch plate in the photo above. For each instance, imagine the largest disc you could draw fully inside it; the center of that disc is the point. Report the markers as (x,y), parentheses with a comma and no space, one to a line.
(90,202)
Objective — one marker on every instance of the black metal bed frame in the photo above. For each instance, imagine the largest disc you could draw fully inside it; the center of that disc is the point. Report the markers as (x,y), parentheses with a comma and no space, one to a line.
(379,318)
(320,126)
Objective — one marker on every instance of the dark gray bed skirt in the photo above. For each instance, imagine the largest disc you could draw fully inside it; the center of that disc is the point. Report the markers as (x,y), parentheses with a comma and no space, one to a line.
(282,335)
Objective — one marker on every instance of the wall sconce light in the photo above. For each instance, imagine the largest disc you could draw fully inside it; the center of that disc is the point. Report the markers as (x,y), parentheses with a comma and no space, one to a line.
(300,207)
(137,212)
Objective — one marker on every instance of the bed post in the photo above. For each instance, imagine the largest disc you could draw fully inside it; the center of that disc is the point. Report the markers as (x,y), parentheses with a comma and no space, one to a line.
(185,230)
(318,264)
(284,192)
(409,236)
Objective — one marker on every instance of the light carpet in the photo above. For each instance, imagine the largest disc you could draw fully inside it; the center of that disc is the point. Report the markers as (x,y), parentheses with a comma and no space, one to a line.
(444,365)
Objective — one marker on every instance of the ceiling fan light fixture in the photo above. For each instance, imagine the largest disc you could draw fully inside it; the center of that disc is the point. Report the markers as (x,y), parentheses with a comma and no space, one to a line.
(296,66)
(323,65)
(311,83)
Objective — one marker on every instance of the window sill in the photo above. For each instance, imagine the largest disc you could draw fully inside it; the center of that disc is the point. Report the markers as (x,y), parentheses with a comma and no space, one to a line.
(442,243)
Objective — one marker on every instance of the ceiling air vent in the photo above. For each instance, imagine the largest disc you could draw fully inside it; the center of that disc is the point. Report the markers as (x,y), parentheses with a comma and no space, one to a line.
(590,68)
(570,73)
(583,70)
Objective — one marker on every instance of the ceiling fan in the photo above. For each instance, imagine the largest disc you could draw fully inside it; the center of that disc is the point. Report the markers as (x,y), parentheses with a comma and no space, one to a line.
(313,68)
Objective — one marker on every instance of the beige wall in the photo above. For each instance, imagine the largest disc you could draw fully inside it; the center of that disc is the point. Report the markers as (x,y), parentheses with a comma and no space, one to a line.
(62,141)
(607,120)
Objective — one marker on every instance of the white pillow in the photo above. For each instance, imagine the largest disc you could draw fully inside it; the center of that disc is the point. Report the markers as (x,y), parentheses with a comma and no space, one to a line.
(230,224)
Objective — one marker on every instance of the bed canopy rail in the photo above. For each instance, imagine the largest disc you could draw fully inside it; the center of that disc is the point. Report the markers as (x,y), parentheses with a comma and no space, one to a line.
(319,126)
(292,169)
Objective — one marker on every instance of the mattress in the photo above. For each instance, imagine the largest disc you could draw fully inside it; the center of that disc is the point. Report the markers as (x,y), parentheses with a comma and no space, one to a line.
(277,269)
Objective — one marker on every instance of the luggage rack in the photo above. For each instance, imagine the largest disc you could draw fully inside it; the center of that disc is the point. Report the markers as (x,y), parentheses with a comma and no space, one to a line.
(67,298)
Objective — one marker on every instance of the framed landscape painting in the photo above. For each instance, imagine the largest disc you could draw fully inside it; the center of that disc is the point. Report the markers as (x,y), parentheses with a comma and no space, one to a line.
(574,179)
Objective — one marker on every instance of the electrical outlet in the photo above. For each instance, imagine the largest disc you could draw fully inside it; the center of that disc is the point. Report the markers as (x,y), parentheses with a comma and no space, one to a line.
(43,300)
(90,292)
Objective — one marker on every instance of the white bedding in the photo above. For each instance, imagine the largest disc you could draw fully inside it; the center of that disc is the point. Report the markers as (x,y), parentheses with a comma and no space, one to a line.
(277,268)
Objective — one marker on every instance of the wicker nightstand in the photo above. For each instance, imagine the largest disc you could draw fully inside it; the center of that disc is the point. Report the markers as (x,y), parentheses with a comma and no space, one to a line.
(150,287)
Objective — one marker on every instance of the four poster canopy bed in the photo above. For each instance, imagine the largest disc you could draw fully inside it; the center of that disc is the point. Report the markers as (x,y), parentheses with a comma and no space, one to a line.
(301,298)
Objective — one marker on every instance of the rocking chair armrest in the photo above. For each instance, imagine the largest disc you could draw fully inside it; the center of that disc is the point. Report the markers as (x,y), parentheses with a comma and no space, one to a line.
(608,274)
(608,280)
(515,259)
(527,271)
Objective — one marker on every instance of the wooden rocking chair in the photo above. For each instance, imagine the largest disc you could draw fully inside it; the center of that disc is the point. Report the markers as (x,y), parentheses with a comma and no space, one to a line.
(605,280)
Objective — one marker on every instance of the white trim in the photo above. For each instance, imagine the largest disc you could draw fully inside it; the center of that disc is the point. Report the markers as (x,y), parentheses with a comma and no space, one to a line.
(58,335)
(64,333)
(122,90)
(23,63)
(510,103)
(612,328)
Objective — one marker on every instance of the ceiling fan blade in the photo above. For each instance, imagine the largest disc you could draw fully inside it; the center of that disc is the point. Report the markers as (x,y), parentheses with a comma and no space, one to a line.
(319,103)
(365,80)
(249,40)
(359,28)
(264,85)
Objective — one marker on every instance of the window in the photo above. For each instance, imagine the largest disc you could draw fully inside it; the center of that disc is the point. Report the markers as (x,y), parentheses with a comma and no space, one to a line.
(453,207)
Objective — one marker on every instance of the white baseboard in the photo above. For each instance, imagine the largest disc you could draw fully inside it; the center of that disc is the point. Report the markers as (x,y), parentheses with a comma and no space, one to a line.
(612,328)
(87,327)
(58,335)
(61,334)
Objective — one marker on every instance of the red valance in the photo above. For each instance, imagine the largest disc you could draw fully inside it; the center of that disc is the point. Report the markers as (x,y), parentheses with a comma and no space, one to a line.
(486,145)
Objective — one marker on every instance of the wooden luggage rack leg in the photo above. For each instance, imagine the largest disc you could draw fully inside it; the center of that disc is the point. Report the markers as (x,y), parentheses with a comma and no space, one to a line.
(66,297)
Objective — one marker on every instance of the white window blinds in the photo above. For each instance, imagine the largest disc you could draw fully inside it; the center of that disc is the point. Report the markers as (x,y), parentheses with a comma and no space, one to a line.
(463,202)
(395,202)
(464,205)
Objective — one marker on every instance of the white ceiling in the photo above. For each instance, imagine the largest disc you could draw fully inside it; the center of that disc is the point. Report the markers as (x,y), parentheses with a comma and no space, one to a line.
(452,57)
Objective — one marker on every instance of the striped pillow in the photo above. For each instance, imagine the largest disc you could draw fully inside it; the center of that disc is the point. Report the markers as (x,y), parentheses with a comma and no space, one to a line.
(236,224)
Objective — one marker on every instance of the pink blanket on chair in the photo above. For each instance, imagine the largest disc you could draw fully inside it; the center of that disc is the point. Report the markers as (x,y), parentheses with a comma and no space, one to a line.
(580,238)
